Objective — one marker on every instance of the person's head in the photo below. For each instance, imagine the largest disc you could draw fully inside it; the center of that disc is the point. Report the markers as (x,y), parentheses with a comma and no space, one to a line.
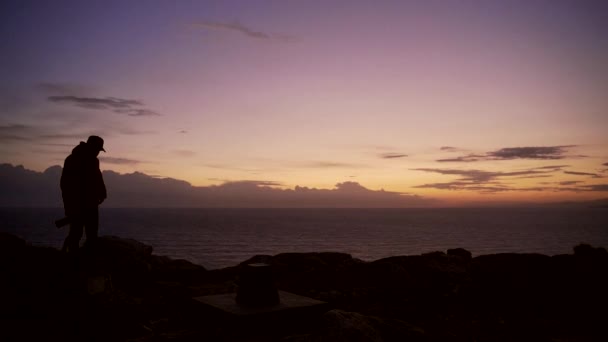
(96,144)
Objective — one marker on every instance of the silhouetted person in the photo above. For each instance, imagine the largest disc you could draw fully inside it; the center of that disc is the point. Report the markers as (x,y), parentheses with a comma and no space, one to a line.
(83,190)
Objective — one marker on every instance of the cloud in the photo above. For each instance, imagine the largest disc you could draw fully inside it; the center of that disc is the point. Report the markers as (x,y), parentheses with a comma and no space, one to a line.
(535,176)
(482,176)
(21,187)
(184,153)
(551,167)
(392,155)
(450,149)
(35,135)
(119,161)
(48,135)
(62,136)
(14,133)
(489,182)
(250,183)
(115,104)
(465,186)
(543,152)
(466,158)
(593,175)
(96,102)
(481,181)
(59,88)
(13,128)
(569,182)
(510,153)
(127,131)
(328,164)
(137,112)
(243,30)
(596,187)
(229,167)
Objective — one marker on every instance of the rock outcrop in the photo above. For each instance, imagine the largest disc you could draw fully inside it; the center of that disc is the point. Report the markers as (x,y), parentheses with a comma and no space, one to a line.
(119,290)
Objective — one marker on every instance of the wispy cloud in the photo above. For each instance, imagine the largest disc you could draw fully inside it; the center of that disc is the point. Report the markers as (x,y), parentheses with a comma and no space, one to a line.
(250,183)
(596,187)
(510,153)
(450,149)
(229,167)
(13,128)
(576,173)
(48,135)
(482,176)
(14,133)
(392,155)
(551,167)
(60,136)
(328,164)
(96,102)
(115,104)
(481,181)
(565,183)
(120,161)
(466,158)
(543,152)
(35,135)
(12,138)
(137,112)
(488,182)
(184,153)
(243,30)
(62,88)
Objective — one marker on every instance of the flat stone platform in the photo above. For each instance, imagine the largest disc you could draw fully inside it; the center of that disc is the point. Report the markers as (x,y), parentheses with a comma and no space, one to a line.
(289,303)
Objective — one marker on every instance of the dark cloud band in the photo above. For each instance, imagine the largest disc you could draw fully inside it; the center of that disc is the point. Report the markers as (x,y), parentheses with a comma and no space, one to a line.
(392,155)
(510,153)
(243,30)
(575,173)
(115,104)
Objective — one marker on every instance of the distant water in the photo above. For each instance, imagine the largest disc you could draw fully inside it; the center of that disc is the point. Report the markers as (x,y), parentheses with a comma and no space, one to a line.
(218,238)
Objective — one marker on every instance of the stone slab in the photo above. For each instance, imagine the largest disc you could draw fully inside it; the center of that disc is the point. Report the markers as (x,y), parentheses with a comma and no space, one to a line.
(288,302)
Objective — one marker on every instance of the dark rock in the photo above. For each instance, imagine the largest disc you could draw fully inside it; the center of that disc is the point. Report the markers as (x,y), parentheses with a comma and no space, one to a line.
(128,262)
(460,252)
(350,326)
(344,326)
(10,243)
(306,262)
(116,288)
(585,250)
(180,270)
(256,286)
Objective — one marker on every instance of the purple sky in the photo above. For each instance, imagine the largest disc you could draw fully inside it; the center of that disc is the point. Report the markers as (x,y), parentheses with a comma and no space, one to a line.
(452,100)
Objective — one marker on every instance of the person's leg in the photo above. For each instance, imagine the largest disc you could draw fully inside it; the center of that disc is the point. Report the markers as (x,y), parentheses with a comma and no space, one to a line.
(72,242)
(92,225)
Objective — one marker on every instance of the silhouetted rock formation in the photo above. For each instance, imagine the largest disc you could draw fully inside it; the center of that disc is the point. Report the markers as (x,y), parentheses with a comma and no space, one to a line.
(119,290)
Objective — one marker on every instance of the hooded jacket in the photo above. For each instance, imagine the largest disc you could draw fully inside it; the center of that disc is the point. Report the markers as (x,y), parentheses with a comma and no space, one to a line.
(82,185)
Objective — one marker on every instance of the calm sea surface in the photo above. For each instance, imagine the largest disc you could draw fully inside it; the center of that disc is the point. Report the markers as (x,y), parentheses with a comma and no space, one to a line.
(218,238)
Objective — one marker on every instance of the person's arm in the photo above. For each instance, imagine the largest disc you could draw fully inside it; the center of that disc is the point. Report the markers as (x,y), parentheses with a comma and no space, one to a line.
(101,186)
(67,186)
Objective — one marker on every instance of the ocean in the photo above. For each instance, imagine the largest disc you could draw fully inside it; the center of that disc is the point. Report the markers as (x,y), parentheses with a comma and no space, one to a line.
(216,238)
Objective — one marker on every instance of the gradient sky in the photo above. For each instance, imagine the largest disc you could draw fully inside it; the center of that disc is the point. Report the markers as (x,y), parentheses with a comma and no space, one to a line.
(462,101)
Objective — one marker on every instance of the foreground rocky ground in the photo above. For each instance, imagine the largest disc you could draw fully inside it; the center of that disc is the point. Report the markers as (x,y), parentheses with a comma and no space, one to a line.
(121,291)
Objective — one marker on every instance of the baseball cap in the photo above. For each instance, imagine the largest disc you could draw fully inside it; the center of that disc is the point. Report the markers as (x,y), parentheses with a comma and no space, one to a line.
(96,142)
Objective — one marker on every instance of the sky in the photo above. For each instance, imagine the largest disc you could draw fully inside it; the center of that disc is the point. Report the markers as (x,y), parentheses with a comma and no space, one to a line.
(454,101)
